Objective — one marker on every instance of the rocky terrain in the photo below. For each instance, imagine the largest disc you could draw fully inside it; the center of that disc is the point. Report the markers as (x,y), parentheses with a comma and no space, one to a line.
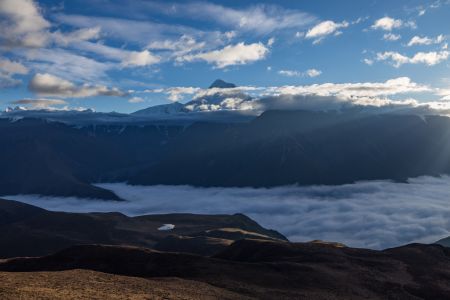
(256,269)
(55,255)
(26,230)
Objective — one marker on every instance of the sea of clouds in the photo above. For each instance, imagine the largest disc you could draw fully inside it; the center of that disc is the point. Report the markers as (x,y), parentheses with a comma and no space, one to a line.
(374,214)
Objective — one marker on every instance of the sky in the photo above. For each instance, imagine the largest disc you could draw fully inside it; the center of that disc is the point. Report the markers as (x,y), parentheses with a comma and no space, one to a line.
(123,55)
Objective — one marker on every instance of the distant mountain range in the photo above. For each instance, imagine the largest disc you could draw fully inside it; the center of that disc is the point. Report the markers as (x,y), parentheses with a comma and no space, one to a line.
(62,153)
(276,148)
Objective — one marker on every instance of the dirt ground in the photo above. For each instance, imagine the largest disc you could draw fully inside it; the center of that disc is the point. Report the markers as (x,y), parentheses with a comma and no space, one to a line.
(84,284)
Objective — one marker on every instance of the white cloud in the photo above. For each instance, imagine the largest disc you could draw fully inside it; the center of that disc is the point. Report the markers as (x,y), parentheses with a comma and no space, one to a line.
(139,32)
(387,24)
(136,100)
(22,24)
(325,28)
(8,69)
(417,40)
(391,37)
(47,85)
(143,58)
(313,72)
(7,81)
(230,34)
(290,73)
(293,73)
(370,96)
(12,67)
(83,34)
(427,58)
(444,93)
(40,103)
(373,214)
(260,19)
(239,54)
(390,87)
(270,42)
(368,61)
(66,64)
(185,44)
(125,57)
(176,93)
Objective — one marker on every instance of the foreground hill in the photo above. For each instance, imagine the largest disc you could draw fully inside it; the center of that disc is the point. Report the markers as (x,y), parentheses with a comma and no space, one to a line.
(276,148)
(85,284)
(27,230)
(255,269)
(186,256)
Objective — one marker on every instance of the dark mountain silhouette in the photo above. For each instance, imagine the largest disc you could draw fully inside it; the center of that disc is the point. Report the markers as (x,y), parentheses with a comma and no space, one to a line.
(444,242)
(219,83)
(303,147)
(276,148)
(26,230)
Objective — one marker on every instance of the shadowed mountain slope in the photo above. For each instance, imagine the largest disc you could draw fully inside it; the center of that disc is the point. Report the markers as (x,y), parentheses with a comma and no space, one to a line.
(277,148)
(26,230)
(273,270)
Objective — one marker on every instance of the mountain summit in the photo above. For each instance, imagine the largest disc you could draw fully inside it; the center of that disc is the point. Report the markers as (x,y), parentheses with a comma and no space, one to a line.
(219,83)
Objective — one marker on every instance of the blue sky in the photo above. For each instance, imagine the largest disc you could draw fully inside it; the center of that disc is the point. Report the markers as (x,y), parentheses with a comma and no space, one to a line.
(118,55)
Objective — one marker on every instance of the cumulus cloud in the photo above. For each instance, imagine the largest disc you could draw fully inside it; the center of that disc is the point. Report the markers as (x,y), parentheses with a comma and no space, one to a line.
(178,93)
(418,40)
(325,28)
(374,214)
(8,69)
(391,37)
(390,87)
(7,81)
(444,93)
(293,73)
(12,67)
(374,96)
(142,58)
(238,54)
(313,72)
(47,85)
(22,24)
(387,24)
(428,58)
(40,103)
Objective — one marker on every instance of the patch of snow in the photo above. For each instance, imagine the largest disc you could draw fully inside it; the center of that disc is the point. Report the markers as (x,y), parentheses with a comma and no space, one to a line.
(166,227)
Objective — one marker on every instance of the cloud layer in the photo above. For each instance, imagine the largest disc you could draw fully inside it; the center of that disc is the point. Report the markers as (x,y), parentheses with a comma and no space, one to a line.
(239,54)
(47,85)
(375,214)
(373,96)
